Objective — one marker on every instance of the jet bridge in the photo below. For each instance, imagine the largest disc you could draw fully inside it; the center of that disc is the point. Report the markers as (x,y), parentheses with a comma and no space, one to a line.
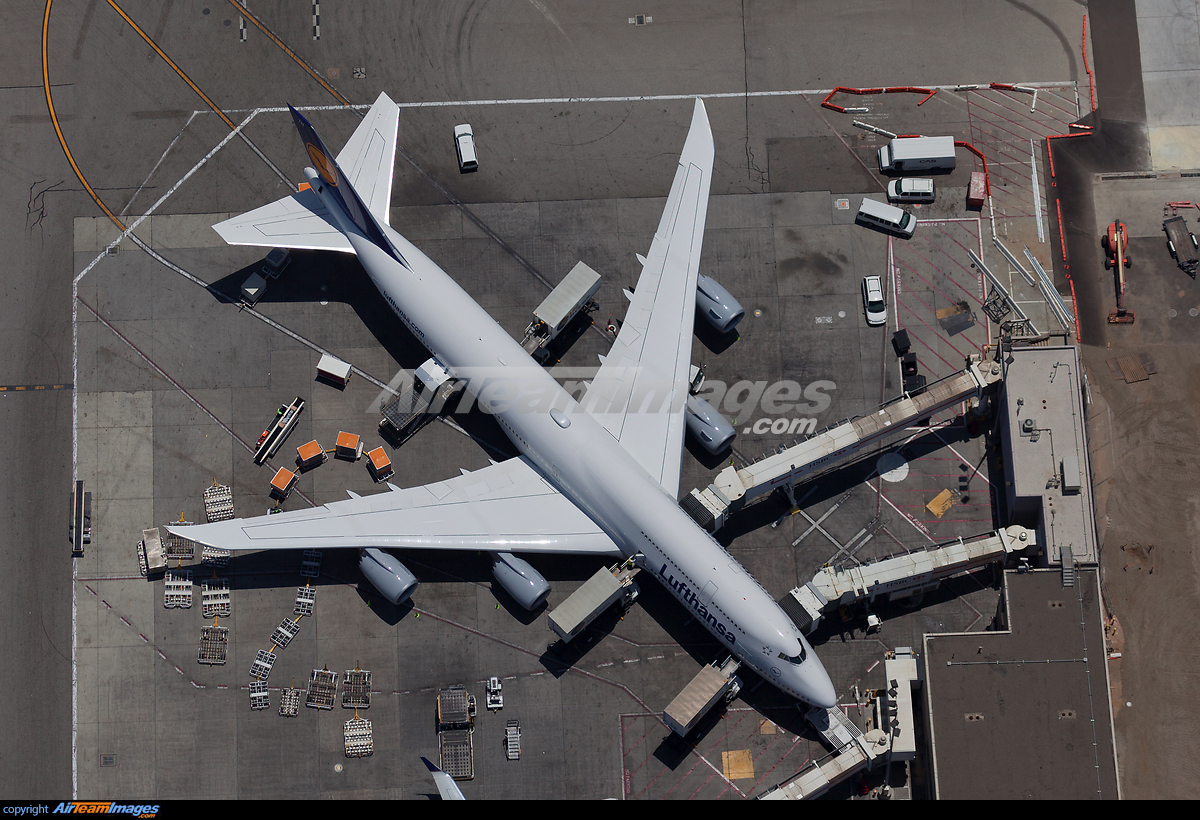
(734,488)
(900,576)
(890,739)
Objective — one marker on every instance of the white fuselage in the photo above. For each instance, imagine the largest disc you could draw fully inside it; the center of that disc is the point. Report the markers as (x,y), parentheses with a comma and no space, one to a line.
(594,471)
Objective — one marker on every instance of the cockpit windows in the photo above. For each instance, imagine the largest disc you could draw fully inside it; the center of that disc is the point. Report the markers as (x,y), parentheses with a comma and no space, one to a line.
(795,659)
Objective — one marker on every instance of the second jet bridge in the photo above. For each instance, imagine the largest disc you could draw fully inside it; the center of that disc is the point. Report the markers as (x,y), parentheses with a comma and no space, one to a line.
(899,576)
(733,489)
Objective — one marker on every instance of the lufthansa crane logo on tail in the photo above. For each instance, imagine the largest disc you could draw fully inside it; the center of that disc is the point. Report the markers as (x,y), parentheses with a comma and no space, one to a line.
(322,163)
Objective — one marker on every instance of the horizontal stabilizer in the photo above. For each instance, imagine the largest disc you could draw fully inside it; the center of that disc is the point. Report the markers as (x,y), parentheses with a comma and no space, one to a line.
(298,221)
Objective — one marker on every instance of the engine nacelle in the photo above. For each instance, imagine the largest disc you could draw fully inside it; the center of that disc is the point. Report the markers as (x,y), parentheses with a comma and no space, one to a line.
(391,578)
(717,305)
(524,583)
(707,426)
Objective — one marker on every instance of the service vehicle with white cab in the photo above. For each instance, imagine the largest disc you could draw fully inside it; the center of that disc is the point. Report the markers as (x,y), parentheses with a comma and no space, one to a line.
(888,217)
(464,146)
(908,154)
(910,189)
(873,304)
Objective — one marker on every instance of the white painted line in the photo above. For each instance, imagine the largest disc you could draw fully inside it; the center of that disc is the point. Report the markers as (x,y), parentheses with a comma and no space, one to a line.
(960,455)
(235,132)
(74,675)
(802,92)
(1037,193)
(160,159)
(916,524)
(75,442)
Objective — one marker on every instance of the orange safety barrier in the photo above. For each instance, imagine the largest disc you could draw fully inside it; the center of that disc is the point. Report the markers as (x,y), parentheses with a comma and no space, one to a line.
(1088,133)
(896,89)
(1086,67)
(1075,305)
(1062,237)
(912,89)
(1062,243)
(846,90)
(987,183)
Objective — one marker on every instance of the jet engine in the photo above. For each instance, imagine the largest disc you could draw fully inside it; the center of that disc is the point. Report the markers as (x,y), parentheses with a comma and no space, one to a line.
(391,578)
(524,583)
(717,305)
(707,426)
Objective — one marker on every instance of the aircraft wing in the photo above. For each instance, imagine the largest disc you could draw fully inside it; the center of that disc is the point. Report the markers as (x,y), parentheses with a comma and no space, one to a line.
(640,390)
(446,786)
(301,220)
(504,507)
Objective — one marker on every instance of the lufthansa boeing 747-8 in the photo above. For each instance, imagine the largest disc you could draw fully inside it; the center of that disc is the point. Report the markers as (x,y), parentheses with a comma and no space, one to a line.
(599,475)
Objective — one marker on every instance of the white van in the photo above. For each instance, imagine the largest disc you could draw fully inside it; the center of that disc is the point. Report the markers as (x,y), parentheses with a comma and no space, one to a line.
(910,189)
(888,217)
(464,144)
(908,154)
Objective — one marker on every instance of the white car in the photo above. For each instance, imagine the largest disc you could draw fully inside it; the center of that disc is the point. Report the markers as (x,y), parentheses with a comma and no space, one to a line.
(873,304)
(910,189)
(464,145)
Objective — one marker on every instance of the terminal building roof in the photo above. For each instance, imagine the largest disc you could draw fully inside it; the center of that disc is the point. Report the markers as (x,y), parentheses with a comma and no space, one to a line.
(1024,712)
(1046,463)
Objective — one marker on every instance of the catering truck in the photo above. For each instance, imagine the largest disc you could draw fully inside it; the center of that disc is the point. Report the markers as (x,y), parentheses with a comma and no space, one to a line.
(712,684)
(906,155)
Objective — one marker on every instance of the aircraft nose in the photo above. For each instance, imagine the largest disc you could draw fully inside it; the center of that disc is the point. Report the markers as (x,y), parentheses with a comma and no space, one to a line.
(818,689)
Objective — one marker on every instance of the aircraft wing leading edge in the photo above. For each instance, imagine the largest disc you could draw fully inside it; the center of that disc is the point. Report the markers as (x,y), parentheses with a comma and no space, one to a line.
(447,788)
(640,390)
(504,507)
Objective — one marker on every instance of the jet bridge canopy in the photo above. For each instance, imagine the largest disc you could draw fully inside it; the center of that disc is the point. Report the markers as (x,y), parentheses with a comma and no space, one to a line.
(900,575)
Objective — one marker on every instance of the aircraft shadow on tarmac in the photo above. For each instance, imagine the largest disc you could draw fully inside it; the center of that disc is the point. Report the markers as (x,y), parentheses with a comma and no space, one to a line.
(711,338)
(320,276)
(325,276)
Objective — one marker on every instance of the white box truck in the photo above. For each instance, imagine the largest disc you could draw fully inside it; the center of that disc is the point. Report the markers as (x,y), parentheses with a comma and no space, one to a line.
(905,155)
(573,294)
(598,593)
(713,683)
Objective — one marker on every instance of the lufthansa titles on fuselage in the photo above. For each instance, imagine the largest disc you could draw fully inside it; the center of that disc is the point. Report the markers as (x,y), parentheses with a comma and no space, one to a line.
(689,597)
(416,331)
